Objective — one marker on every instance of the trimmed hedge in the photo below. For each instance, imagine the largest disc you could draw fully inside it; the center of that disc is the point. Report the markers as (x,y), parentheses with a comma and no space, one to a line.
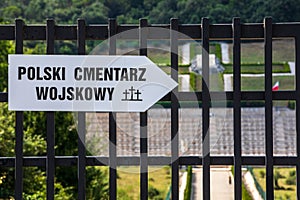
(218,50)
(195,81)
(257,68)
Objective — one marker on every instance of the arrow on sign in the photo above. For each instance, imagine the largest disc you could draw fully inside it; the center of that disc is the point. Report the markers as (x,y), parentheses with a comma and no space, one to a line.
(85,83)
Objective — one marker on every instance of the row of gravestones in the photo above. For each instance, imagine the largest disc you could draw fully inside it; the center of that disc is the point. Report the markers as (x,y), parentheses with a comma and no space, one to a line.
(221,133)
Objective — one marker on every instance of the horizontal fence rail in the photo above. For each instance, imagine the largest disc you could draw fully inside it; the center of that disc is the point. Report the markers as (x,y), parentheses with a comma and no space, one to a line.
(100,32)
(206,32)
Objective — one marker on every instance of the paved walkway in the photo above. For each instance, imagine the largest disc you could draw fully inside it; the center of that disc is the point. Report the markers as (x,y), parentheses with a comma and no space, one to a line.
(225,53)
(250,185)
(228,86)
(185,49)
(219,184)
(185,83)
(182,185)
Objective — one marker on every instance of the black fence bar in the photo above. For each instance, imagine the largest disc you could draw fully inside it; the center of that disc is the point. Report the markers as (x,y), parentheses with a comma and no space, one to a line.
(297,87)
(237,108)
(112,29)
(19,121)
(268,109)
(81,121)
(143,121)
(236,32)
(205,109)
(50,166)
(174,111)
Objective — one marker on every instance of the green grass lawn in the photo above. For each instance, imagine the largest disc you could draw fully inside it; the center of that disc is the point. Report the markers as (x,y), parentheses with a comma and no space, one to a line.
(257,83)
(285,191)
(159,56)
(282,51)
(129,181)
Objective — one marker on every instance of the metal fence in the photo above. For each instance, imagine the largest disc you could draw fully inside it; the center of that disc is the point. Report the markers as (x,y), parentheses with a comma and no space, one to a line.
(203,32)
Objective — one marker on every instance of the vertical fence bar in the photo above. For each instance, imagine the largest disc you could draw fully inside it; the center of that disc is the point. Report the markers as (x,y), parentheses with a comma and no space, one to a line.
(19,32)
(112,29)
(81,120)
(50,163)
(205,109)
(237,108)
(297,68)
(143,121)
(174,110)
(268,108)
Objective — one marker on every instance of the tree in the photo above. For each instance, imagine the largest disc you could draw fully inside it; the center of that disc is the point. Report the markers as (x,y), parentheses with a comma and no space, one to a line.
(95,13)
(163,12)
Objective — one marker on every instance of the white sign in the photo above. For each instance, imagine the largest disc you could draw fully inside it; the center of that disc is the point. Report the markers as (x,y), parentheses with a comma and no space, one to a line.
(85,83)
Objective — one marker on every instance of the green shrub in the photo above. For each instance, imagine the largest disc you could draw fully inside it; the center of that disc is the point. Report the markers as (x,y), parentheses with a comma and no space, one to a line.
(218,51)
(153,193)
(287,197)
(291,180)
(292,105)
(262,174)
(292,173)
(277,176)
(195,81)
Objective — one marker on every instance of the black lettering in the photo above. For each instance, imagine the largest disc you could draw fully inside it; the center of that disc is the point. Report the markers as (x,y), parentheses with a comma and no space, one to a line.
(99,74)
(88,73)
(110,92)
(53,93)
(143,71)
(78,93)
(77,76)
(63,73)
(88,93)
(70,92)
(62,96)
(56,74)
(99,93)
(41,93)
(117,70)
(38,73)
(21,71)
(31,73)
(124,75)
(47,73)
(133,76)
(108,74)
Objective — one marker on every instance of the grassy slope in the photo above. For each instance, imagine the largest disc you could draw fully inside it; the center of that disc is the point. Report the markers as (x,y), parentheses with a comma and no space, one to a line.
(129,180)
(278,193)
(245,193)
